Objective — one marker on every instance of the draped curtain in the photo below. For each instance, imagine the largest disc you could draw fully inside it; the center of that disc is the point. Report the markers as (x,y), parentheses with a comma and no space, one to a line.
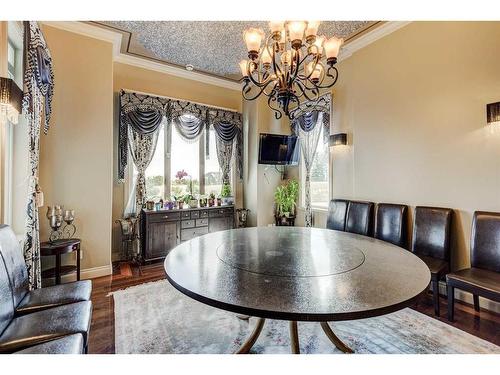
(140,118)
(307,124)
(37,108)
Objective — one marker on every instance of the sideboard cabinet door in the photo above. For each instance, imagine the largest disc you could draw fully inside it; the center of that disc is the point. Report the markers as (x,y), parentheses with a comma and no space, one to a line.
(162,237)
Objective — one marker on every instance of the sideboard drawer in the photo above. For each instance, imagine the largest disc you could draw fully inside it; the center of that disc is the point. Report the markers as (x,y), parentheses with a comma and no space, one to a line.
(221,212)
(185,214)
(195,214)
(201,222)
(163,216)
(187,224)
(187,234)
(203,213)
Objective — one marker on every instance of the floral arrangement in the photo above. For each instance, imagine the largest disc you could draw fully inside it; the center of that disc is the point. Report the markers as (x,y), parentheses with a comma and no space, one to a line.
(181,174)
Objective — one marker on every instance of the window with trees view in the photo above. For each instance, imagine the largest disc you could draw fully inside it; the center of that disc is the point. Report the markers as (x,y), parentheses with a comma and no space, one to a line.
(185,169)
(320,182)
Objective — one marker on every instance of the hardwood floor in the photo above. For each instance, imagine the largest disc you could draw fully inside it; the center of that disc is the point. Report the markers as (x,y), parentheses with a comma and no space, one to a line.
(102,336)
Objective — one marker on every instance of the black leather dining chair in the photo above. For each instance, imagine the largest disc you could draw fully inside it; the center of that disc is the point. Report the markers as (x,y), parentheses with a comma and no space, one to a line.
(337,211)
(483,277)
(391,223)
(431,243)
(359,218)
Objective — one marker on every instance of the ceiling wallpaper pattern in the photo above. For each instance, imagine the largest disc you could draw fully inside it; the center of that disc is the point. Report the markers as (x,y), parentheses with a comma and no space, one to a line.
(214,47)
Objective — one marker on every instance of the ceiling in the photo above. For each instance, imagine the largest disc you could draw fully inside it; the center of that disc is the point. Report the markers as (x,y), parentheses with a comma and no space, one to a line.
(211,47)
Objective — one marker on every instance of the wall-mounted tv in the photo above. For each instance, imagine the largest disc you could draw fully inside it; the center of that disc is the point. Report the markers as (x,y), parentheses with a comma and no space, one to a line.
(279,149)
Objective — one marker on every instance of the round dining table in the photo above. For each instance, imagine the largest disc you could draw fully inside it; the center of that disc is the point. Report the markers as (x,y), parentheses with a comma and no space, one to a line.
(297,274)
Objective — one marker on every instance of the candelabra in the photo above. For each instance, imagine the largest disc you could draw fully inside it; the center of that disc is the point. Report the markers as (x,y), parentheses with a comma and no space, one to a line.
(56,216)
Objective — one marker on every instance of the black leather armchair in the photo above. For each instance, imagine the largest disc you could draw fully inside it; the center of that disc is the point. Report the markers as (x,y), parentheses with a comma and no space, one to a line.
(34,328)
(26,301)
(359,218)
(337,212)
(72,344)
(391,223)
(431,242)
(483,278)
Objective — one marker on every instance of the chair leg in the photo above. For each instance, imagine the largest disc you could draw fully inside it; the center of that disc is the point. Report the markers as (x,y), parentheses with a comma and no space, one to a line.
(435,296)
(476,302)
(451,301)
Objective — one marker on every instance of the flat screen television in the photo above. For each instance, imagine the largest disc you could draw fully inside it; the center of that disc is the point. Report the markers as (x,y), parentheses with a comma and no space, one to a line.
(279,149)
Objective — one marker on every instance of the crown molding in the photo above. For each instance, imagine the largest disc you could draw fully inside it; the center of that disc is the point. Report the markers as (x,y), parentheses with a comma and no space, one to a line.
(369,37)
(145,63)
(85,29)
(115,38)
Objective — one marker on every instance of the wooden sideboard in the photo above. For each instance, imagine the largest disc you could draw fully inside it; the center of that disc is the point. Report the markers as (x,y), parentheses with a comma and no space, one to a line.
(162,230)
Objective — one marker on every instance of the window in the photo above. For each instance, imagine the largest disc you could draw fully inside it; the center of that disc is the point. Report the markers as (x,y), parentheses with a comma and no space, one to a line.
(320,182)
(188,158)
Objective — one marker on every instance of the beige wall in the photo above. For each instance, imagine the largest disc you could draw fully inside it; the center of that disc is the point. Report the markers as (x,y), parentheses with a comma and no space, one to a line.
(76,160)
(148,81)
(414,105)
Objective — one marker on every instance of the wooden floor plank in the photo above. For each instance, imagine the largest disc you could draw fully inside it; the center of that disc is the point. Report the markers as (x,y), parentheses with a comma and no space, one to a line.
(484,324)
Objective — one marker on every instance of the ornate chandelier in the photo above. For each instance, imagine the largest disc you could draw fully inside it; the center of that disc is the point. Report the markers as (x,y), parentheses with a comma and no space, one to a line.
(291,67)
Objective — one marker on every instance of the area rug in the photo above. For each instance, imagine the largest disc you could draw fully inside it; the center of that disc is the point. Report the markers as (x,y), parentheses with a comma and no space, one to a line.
(156,318)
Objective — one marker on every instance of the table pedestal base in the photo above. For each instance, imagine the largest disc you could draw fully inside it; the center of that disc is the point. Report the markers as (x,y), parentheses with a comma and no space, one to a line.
(294,338)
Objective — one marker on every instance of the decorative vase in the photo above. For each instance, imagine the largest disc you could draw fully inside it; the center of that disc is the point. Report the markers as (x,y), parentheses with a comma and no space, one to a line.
(210,202)
(181,205)
(219,201)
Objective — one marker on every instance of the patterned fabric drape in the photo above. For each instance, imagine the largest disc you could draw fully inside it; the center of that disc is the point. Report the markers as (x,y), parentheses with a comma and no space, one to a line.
(142,148)
(37,108)
(224,155)
(144,114)
(308,125)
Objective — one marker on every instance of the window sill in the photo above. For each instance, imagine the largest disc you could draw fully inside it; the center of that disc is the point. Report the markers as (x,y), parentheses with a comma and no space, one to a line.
(317,209)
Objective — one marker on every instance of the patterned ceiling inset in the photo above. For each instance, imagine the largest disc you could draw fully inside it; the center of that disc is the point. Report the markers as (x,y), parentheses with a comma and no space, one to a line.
(213,47)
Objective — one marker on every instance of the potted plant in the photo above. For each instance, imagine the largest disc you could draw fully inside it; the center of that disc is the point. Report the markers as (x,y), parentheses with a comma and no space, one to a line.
(180,201)
(203,201)
(190,200)
(285,198)
(225,194)
(219,201)
(211,200)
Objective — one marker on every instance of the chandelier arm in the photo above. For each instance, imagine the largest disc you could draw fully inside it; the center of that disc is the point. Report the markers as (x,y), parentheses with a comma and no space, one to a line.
(277,112)
(261,90)
(304,92)
(334,77)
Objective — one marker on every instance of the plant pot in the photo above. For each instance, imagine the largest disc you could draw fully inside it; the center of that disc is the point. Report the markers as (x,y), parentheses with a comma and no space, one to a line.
(203,202)
(219,201)
(193,203)
(210,202)
(181,205)
(227,200)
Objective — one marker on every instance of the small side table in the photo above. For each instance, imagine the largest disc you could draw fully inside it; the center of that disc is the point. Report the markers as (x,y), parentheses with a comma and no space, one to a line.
(57,248)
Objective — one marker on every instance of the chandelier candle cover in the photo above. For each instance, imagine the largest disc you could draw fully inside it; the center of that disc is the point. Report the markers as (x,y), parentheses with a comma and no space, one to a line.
(291,66)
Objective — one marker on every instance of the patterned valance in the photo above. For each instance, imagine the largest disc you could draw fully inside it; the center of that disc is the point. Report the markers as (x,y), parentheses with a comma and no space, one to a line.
(144,114)
(306,117)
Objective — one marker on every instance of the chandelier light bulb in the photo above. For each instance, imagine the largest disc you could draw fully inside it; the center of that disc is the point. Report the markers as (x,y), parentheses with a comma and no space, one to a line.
(317,46)
(253,38)
(296,32)
(265,57)
(286,57)
(243,68)
(276,28)
(332,47)
(311,30)
(314,71)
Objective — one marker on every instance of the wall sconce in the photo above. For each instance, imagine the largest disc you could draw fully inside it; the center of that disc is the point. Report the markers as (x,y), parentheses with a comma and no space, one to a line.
(493,112)
(11,97)
(338,139)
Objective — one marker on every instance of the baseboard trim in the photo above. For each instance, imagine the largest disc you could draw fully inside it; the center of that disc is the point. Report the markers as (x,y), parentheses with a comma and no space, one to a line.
(90,273)
(467,298)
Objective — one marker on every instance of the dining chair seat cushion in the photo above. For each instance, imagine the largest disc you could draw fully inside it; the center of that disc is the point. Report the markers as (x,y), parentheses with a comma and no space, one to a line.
(476,281)
(72,344)
(438,267)
(46,325)
(52,296)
